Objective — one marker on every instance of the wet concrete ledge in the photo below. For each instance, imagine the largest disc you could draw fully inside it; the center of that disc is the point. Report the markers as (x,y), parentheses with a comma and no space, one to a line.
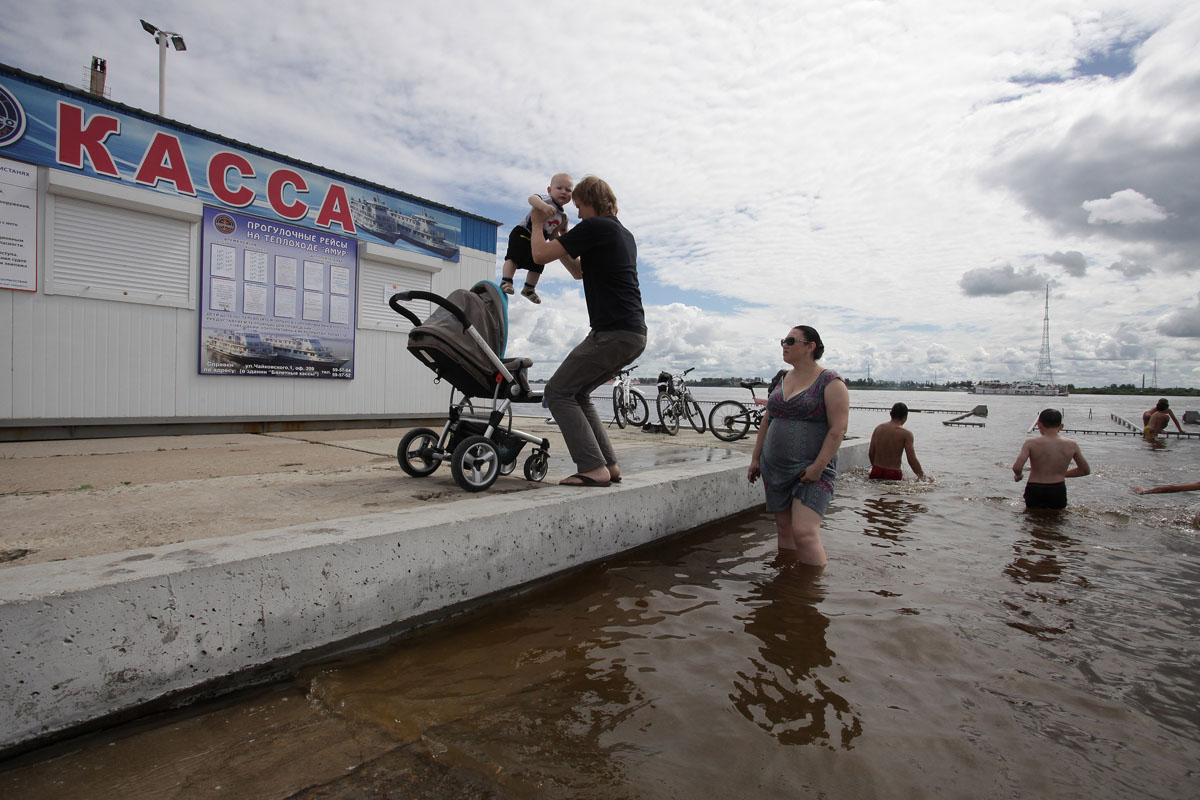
(93,638)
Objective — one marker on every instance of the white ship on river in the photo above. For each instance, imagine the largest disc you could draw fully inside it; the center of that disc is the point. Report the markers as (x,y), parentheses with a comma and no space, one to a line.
(303,351)
(1043,384)
(1020,387)
(245,347)
(388,224)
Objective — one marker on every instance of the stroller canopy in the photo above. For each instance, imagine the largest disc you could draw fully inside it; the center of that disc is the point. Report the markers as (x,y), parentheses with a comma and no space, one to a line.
(450,351)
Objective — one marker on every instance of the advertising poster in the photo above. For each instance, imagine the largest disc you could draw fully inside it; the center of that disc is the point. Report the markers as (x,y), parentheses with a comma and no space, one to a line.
(18,226)
(278,300)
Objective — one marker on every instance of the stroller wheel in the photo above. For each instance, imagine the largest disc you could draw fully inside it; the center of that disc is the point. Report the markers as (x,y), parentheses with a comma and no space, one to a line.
(536,466)
(507,469)
(475,463)
(416,451)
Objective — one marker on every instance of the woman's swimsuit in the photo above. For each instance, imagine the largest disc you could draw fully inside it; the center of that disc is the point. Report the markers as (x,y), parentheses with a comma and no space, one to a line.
(793,441)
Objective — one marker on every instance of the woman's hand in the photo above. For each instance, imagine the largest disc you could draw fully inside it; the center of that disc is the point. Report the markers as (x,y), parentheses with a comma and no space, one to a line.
(753,472)
(811,474)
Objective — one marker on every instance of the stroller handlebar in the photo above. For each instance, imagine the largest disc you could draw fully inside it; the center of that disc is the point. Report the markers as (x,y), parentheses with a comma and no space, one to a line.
(393,301)
(416,294)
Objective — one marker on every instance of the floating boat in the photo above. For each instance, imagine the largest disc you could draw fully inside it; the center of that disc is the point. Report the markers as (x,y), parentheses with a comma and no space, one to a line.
(1042,384)
(1020,387)
(389,224)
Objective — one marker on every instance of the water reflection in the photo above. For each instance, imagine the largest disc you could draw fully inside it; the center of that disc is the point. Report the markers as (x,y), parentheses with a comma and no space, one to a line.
(781,690)
(888,518)
(1041,555)
(525,700)
(1047,555)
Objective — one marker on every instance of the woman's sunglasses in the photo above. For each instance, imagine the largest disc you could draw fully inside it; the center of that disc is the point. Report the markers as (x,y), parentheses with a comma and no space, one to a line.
(791,340)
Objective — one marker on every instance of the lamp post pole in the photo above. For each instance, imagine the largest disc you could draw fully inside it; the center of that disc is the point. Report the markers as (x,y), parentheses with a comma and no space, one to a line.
(162,74)
(161,38)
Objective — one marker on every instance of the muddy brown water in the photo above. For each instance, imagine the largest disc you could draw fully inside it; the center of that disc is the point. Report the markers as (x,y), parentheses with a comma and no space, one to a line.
(956,646)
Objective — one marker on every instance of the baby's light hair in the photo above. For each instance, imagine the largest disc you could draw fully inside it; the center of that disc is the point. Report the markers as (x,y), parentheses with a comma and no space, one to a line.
(594,192)
(558,175)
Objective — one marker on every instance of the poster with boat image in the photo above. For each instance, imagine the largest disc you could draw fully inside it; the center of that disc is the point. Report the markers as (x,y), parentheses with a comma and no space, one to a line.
(388,221)
(277,300)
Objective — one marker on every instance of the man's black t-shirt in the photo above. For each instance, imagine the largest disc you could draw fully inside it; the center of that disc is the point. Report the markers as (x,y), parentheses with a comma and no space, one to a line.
(608,255)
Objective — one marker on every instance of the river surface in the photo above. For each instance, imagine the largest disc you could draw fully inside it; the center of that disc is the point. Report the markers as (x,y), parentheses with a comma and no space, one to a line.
(955,646)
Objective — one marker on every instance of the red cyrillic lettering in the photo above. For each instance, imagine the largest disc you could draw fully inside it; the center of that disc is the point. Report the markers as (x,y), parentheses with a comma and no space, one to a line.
(336,208)
(75,139)
(275,187)
(164,161)
(218,170)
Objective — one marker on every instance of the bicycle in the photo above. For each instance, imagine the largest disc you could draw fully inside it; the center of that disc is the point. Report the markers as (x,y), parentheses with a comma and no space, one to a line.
(730,420)
(675,401)
(629,404)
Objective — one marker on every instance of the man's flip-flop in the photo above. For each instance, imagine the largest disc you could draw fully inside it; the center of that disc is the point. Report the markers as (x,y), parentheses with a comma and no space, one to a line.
(584,480)
(615,479)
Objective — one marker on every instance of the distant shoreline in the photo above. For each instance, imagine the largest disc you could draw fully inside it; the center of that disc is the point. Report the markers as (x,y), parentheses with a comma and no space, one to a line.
(909,386)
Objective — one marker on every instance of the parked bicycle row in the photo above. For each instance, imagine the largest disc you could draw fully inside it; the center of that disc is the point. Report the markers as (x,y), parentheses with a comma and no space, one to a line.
(729,420)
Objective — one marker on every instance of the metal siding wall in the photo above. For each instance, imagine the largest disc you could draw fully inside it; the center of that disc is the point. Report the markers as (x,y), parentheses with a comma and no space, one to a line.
(92,358)
(8,305)
(478,235)
(78,358)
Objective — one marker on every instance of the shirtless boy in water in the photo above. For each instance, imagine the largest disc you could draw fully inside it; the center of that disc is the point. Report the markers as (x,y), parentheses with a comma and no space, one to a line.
(1049,457)
(888,441)
(1155,420)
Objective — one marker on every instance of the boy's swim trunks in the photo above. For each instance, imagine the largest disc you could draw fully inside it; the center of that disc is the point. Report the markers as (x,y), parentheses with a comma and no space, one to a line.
(885,474)
(1046,495)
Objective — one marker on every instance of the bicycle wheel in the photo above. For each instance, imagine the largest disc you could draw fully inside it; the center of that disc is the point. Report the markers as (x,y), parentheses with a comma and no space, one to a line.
(637,410)
(694,415)
(729,420)
(619,408)
(668,414)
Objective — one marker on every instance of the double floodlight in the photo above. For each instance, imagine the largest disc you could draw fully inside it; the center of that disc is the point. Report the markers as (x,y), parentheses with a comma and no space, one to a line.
(175,39)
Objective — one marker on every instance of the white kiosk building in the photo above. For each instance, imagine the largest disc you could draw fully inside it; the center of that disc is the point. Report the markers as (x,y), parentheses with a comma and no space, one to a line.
(156,276)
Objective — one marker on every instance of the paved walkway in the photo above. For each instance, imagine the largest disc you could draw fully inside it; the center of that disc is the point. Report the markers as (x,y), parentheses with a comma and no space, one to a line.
(73,498)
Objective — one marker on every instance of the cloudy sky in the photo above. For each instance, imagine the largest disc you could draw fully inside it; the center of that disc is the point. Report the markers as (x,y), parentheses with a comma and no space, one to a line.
(906,177)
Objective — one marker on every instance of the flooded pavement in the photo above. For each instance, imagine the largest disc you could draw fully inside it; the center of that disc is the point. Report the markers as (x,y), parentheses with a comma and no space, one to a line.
(955,646)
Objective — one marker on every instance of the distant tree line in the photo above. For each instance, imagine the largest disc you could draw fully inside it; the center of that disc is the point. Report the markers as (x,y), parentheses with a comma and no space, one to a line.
(1129,388)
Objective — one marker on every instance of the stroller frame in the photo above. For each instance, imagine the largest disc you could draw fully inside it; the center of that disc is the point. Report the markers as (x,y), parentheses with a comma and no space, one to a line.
(479,444)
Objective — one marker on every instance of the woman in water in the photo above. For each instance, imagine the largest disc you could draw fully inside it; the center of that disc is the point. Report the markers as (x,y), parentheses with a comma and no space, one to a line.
(796,450)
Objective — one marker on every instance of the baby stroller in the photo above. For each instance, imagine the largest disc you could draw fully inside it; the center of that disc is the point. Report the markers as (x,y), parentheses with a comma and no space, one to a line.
(463,342)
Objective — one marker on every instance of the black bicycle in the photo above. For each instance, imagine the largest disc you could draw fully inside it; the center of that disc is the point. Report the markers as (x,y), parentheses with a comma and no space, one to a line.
(675,401)
(731,420)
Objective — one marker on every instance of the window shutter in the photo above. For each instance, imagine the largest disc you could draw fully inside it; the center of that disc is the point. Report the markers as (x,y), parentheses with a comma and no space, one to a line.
(115,253)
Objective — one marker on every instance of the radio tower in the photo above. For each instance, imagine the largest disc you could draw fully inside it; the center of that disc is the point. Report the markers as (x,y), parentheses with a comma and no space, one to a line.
(1045,373)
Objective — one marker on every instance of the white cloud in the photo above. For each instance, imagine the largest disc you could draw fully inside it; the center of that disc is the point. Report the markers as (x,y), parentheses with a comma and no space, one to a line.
(883,176)
(1000,280)
(1182,322)
(1074,263)
(1126,207)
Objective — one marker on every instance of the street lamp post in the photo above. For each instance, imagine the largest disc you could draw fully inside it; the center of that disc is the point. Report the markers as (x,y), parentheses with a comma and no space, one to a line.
(160,38)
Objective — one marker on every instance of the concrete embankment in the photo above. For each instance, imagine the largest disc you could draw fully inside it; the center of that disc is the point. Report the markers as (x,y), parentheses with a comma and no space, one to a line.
(95,638)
